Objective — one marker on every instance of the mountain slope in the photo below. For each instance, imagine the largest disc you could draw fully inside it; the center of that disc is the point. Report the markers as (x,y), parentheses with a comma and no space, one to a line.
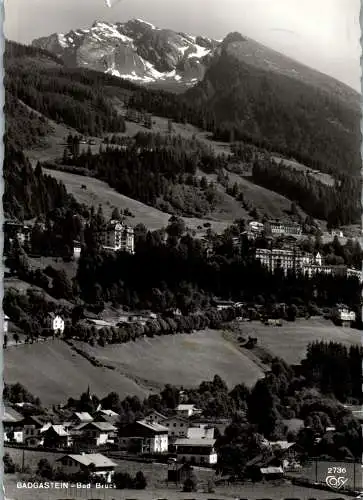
(135,50)
(308,116)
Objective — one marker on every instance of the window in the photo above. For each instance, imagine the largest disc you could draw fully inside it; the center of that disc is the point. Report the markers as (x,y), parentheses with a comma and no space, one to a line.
(174,425)
(181,425)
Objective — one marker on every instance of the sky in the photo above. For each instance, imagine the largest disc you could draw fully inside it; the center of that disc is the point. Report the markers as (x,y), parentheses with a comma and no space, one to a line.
(323,34)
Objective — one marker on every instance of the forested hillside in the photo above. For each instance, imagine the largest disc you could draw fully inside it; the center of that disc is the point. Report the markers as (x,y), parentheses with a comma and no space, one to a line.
(28,192)
(281,114)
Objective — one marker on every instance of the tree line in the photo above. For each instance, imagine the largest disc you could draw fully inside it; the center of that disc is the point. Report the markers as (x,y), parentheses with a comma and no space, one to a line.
(163,177)
(338,204)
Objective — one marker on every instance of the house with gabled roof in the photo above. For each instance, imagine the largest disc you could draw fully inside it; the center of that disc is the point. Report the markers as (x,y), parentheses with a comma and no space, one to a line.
(196,451)
(155,416)
(32,429)
(95,464)
(144,437)
(177,426)
(95,433)
(187,410)
(12,425)
(56,436)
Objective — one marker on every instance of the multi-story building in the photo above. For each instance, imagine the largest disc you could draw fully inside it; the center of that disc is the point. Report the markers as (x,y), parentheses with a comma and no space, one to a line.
(280,228)
(144,437)
(288,260)
(196,451)
(354,273)
(118,236)
(294,260)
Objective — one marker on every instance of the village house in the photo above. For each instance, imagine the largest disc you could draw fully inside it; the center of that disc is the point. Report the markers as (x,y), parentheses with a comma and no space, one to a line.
(289,453)
(32,429)
(143,437)
(177,426)
(187,410)
(56,437)
(95,433)
(155,416)
(118,237)
(343,316)
(199,451)
(12,425)
(55,324)
(223,304)
(95,464)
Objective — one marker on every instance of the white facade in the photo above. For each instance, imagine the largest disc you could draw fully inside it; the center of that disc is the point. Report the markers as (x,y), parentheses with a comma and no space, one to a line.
(6,324)
(288,228)
(152,444)
(158,443)
(185,410)
(344,314)
(118,236)
(196,451)
(17,436)
(77,250)
(57,324)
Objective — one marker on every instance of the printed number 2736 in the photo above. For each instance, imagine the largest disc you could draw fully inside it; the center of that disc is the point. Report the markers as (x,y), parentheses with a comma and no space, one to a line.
(337,470)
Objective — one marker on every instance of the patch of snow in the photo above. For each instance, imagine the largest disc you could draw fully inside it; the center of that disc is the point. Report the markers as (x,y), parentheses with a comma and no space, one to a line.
(70,39)
(200,52)
(171,74)
(62,40)
(110,31)
(154,73)
(183,49)
(177,77)
(145,22)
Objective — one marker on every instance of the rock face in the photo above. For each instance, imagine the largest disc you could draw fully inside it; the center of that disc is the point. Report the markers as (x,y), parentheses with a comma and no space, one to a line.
(135,50)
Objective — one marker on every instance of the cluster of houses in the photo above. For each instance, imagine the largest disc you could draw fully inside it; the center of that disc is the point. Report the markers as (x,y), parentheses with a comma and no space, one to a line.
(81,430)
(184,434)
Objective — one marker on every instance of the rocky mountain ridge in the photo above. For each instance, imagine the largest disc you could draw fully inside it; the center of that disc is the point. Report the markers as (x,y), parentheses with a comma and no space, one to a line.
(135,50)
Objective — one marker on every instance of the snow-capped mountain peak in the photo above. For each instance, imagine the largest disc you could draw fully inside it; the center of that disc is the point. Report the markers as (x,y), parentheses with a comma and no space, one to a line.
(135,50)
